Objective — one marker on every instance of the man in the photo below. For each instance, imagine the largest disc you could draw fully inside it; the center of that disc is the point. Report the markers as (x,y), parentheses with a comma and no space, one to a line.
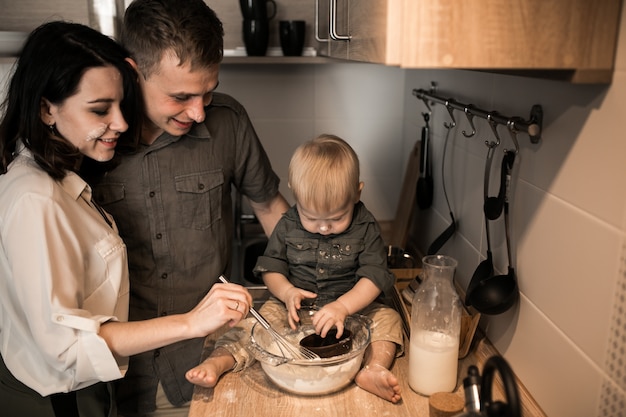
(172,197)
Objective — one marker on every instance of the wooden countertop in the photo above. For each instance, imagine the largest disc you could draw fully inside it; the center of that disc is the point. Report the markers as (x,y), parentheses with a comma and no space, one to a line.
(251,393)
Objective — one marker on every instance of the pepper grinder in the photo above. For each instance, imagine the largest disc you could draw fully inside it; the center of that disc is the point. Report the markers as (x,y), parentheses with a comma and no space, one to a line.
(471,387)
(478,402)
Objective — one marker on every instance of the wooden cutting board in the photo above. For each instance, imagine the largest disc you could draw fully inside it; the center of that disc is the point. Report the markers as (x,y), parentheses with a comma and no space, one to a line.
(406,204)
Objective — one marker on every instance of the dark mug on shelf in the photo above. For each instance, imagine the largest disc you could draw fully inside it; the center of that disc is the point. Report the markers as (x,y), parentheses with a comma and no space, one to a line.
(256,35)
(257,9)
(292,36)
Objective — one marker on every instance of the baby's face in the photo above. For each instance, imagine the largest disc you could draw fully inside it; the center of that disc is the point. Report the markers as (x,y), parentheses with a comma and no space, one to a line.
(333,222)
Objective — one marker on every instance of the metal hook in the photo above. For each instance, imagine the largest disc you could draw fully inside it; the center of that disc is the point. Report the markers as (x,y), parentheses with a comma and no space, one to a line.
(470,119)
(425,100)
(494,128)
(513,131)
(451,113)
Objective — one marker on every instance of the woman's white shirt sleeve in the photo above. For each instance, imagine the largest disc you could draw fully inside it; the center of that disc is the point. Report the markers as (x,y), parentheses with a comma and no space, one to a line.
(63,273)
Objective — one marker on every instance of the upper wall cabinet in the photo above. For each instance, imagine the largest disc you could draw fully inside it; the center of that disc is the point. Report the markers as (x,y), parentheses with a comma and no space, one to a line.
(566,39)
(360,30)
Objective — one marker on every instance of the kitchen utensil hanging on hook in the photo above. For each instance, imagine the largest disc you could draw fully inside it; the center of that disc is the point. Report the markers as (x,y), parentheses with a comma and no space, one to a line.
(424,188)
(498,293)
(484,271)
(503,289)
(451,229)
(493,205)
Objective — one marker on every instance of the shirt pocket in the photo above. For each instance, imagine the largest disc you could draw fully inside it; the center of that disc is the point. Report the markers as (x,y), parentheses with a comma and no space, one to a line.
(302,251)
(345,255)
(200,198)
(106,285)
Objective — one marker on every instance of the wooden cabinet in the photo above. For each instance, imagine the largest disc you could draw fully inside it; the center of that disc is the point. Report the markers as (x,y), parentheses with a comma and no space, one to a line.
(372,26)
(573,40)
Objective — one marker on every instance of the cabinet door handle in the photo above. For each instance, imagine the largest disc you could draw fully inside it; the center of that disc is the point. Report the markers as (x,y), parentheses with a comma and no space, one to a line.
(333,23)
(317,23)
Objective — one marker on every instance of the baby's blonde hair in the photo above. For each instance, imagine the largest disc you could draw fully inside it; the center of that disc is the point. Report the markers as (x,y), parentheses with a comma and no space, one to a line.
(324,174)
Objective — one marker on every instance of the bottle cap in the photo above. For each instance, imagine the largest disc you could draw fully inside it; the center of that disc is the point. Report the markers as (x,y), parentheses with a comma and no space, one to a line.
(445,404)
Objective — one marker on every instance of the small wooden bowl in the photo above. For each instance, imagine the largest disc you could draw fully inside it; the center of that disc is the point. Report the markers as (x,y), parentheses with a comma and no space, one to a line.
(329,346)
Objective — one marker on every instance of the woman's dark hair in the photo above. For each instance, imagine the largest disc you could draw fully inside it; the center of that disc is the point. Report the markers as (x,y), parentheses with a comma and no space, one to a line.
(54,59)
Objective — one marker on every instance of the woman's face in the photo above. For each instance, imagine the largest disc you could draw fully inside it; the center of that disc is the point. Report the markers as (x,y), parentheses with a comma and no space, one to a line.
(91,119)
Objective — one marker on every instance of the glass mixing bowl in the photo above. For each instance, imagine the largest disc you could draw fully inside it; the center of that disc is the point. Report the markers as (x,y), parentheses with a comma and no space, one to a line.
(311,376)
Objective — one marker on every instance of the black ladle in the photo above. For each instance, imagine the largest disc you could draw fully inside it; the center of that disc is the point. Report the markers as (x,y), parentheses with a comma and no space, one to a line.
(484,271)
(498,293)
(493,205)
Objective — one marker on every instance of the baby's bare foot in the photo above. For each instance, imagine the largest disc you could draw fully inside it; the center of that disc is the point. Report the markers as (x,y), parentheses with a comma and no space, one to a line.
(379,381)
(206,374)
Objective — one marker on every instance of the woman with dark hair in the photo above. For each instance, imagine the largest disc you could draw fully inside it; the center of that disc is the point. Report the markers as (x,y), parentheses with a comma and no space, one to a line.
(63,267)
(49,71)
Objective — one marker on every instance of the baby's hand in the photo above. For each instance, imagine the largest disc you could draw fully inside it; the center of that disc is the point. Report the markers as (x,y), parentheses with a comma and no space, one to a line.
(331,315)
(293,299)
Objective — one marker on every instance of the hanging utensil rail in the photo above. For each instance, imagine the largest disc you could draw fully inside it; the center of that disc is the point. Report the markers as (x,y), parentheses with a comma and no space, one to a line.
(532,126)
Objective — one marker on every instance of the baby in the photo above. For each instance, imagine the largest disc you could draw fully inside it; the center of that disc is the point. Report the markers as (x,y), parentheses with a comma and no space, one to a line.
(326,251)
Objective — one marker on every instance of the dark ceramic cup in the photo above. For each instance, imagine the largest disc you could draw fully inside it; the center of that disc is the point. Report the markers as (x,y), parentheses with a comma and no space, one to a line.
(256,34)
(292,36)
(257,9)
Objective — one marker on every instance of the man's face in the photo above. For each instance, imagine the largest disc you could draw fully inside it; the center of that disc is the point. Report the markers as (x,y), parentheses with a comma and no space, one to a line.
(175,97)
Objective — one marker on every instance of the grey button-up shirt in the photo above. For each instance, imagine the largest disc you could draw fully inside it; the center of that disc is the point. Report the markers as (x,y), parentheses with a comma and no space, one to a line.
(172,203)
(328,265)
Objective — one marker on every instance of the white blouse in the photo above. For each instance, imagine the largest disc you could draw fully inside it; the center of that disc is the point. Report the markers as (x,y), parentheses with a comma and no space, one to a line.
(63,272)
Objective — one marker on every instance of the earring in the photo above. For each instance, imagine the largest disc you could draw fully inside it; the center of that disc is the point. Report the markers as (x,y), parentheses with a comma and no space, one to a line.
(51,126)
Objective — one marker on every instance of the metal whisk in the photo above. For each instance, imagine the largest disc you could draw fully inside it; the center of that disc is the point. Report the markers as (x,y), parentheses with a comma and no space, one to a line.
(287,349)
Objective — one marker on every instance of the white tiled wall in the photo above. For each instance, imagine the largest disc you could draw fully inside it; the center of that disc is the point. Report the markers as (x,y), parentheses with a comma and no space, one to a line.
(567,337)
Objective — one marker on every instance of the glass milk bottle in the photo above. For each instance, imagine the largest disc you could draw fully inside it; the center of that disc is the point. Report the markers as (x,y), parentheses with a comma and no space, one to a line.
(435,328)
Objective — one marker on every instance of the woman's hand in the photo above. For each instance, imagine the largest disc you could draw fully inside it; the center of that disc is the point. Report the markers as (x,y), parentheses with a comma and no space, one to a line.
(224,303)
